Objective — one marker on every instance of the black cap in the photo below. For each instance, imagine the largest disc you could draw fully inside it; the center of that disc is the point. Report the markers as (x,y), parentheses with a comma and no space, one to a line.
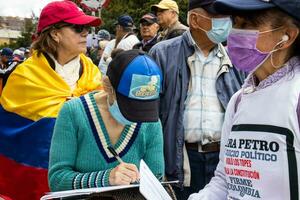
(137,79)
(291,7)
(205,4)
(149,17)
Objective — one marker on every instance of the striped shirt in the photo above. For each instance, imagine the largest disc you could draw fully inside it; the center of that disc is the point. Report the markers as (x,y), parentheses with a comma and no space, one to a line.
(203,115)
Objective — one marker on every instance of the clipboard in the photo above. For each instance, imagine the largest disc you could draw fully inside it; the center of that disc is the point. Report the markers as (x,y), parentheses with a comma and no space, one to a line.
(147,177)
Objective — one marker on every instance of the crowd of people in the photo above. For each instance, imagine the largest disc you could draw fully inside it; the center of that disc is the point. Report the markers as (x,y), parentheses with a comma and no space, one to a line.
(210,104)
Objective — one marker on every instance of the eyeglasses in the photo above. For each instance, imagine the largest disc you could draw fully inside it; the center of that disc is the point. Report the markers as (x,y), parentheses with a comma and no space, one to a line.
(76,27)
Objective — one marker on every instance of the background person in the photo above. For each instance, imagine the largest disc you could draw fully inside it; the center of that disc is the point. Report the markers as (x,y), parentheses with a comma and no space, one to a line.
(18,56)
(167,13)
(125,39)
(148,30)
(104,37)
(259,157)
(57,71)
(126,119)
(7,65)
(199,80)
(6,57)
(125,36)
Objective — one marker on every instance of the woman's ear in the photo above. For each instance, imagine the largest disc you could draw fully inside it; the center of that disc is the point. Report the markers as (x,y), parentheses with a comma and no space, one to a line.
(290,36)
(54,35)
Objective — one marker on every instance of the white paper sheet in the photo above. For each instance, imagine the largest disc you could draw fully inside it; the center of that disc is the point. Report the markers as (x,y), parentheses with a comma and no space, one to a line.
(150,187)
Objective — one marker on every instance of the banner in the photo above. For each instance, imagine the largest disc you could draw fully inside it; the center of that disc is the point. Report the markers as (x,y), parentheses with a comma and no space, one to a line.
(94,5)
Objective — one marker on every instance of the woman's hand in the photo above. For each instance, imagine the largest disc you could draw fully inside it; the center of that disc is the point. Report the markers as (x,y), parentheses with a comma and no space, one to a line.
(124,174)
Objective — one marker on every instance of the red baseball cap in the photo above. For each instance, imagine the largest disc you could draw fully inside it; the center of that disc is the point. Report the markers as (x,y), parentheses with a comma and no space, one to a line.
(64,11)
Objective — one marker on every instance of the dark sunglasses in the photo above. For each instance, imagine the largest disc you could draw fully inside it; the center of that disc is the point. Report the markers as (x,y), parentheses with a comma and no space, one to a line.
(146,24)
(76,27)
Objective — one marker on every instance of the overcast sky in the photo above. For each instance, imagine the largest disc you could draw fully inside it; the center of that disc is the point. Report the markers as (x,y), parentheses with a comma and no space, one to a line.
(21,8)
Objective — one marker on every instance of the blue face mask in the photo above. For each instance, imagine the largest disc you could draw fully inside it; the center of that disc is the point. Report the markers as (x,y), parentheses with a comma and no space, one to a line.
(117,115)
(220,30)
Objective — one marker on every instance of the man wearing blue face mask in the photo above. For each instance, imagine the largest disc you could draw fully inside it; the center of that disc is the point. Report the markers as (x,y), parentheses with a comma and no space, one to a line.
(199,80)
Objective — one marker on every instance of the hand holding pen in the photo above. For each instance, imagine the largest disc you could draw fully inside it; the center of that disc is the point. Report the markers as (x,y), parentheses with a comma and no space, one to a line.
(124,173)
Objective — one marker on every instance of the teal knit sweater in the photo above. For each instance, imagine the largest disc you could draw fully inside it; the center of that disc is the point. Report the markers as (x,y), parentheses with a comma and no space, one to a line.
(79,157)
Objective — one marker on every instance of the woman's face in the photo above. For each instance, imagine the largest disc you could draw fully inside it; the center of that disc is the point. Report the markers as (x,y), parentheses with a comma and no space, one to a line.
(267,41)
(72,39)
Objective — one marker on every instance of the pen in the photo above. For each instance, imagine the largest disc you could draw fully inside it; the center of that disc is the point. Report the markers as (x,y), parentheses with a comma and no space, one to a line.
(113,152)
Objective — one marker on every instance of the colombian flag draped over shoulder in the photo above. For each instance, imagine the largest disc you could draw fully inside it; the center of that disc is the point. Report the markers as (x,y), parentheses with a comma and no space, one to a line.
(30,102)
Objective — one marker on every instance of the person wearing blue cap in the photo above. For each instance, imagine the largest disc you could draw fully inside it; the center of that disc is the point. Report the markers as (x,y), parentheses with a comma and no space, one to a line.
(124,117)
(125,39)
(7,66)
(199,80)
(6,57)
(103,35)
(259,157)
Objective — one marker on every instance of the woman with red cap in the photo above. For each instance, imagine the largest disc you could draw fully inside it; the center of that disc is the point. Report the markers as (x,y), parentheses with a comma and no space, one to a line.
(260,144)
(57,71)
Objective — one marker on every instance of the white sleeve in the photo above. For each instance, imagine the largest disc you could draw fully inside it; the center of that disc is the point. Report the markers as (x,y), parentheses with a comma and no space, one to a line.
(106,54)
(128,43)
(216,189)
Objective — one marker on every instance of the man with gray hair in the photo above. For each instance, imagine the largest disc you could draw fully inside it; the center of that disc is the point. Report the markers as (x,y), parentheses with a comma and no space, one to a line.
(148,30)
(199,80)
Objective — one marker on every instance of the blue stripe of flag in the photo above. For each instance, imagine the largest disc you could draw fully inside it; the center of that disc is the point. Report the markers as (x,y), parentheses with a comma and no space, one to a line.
(24,140)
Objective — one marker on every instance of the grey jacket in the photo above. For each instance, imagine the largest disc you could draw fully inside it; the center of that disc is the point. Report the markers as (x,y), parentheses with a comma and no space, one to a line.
(175,30)
(172,56)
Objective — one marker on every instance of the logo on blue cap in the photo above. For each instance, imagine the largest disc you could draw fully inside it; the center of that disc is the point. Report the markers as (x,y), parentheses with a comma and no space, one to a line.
(144,87)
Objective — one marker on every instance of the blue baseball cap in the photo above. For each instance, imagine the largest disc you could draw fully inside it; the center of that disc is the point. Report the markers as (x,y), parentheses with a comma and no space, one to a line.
(137,80)
(7,52)
(291,7)
(103,34)
(125,21)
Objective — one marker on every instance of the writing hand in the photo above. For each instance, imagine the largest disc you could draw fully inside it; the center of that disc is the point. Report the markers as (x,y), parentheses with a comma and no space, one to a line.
(124,174)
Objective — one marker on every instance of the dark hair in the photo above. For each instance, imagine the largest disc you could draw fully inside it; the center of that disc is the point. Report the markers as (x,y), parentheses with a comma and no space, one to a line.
(115,52)
(277,18)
